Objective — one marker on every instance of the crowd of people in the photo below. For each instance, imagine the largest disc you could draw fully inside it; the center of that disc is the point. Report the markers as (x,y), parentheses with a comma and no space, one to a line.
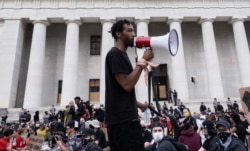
(79,126)
(119,127)
(217,130)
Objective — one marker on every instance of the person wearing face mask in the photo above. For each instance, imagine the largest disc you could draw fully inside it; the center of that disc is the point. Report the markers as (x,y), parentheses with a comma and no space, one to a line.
(42,131)
(88,140)
(226,141)
(82,123)
(20,139)
(161,142)
(189,119)
(100,138)
(208,128)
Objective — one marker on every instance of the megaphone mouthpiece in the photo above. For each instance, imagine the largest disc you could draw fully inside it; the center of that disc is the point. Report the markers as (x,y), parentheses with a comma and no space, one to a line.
(142,41)
(168,42)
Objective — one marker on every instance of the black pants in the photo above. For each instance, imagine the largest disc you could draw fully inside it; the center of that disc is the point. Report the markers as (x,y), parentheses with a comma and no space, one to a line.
(126,137)
(175,101)
(4,119)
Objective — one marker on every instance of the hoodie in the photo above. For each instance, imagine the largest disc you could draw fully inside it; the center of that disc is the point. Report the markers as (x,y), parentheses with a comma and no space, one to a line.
(191,139)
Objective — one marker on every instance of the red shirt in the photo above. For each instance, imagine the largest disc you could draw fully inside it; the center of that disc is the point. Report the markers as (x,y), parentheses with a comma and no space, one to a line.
(4,142)
(20,143)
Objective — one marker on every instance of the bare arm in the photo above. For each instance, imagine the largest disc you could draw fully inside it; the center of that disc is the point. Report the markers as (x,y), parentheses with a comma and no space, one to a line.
(142,106)
(248,117)
(128,81)
(61,145)
(9,147)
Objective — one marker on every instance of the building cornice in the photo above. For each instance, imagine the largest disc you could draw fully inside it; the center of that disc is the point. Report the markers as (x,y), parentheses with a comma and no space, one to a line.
(88,11)
(69,4)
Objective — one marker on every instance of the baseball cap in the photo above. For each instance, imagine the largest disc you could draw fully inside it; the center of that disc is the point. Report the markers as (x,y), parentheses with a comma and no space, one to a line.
(208,124)
(223,123)
(95,123)
(87,131)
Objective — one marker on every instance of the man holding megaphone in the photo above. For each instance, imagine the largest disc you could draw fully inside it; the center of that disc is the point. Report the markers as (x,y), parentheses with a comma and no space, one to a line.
(121,115)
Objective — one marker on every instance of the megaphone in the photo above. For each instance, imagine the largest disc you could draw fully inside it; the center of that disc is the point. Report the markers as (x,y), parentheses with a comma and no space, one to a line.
(168,42)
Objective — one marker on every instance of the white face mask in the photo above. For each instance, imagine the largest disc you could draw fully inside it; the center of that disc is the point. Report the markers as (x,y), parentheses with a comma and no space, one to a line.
(158,136)
(23,136)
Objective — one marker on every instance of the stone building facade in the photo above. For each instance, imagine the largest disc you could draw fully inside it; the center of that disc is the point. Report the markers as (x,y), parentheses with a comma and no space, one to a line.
(54,50)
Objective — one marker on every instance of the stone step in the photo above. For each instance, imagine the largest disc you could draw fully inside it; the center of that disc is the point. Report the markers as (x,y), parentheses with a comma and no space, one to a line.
(194,106)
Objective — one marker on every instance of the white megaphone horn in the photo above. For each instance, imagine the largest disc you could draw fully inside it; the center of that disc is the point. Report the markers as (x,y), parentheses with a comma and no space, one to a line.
(168,42)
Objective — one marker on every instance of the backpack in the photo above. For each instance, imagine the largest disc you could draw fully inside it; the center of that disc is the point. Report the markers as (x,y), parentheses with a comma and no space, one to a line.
(178,145)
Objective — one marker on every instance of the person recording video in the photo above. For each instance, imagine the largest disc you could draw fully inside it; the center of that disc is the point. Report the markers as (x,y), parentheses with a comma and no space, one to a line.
(121,113)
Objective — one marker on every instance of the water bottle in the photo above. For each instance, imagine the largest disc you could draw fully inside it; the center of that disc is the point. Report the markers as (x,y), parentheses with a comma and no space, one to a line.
(147,116)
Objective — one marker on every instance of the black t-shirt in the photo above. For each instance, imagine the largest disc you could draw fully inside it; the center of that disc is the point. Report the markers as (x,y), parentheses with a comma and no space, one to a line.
(203,108)
(100,115)
(241,132)
(210,142)
(100,136)
(147,136)
(244,123)
(120,105)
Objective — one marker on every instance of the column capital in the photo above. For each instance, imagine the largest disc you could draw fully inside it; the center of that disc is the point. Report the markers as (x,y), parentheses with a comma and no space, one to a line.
(77,21)
(24,22)
(11,18)
(234,19)
(107,20)
(141,20)
(45,22)
(171,20)
(202,20)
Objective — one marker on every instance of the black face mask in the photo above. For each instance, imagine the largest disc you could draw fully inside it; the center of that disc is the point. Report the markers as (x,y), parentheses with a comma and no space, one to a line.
(92,127)
(223,136)
(85,142)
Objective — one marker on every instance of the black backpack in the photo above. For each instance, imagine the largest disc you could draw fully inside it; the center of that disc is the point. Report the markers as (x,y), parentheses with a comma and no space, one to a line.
(178,145)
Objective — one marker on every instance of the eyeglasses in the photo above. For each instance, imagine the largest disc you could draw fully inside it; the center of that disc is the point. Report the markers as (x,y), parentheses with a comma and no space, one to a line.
(67,128)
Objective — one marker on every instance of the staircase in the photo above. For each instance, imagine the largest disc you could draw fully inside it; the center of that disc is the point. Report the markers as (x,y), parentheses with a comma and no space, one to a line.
(193,105)
(13,115)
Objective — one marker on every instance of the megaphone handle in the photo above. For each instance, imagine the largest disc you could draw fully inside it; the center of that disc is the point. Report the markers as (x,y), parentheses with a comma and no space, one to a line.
(149,68)
(145,49)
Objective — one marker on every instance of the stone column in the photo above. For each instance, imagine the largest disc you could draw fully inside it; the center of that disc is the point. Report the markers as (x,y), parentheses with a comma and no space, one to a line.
(242,50)
(107,44)
(70,68)
(34,84)
(179,74)
(141,88)
(212,62)
(11,44)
